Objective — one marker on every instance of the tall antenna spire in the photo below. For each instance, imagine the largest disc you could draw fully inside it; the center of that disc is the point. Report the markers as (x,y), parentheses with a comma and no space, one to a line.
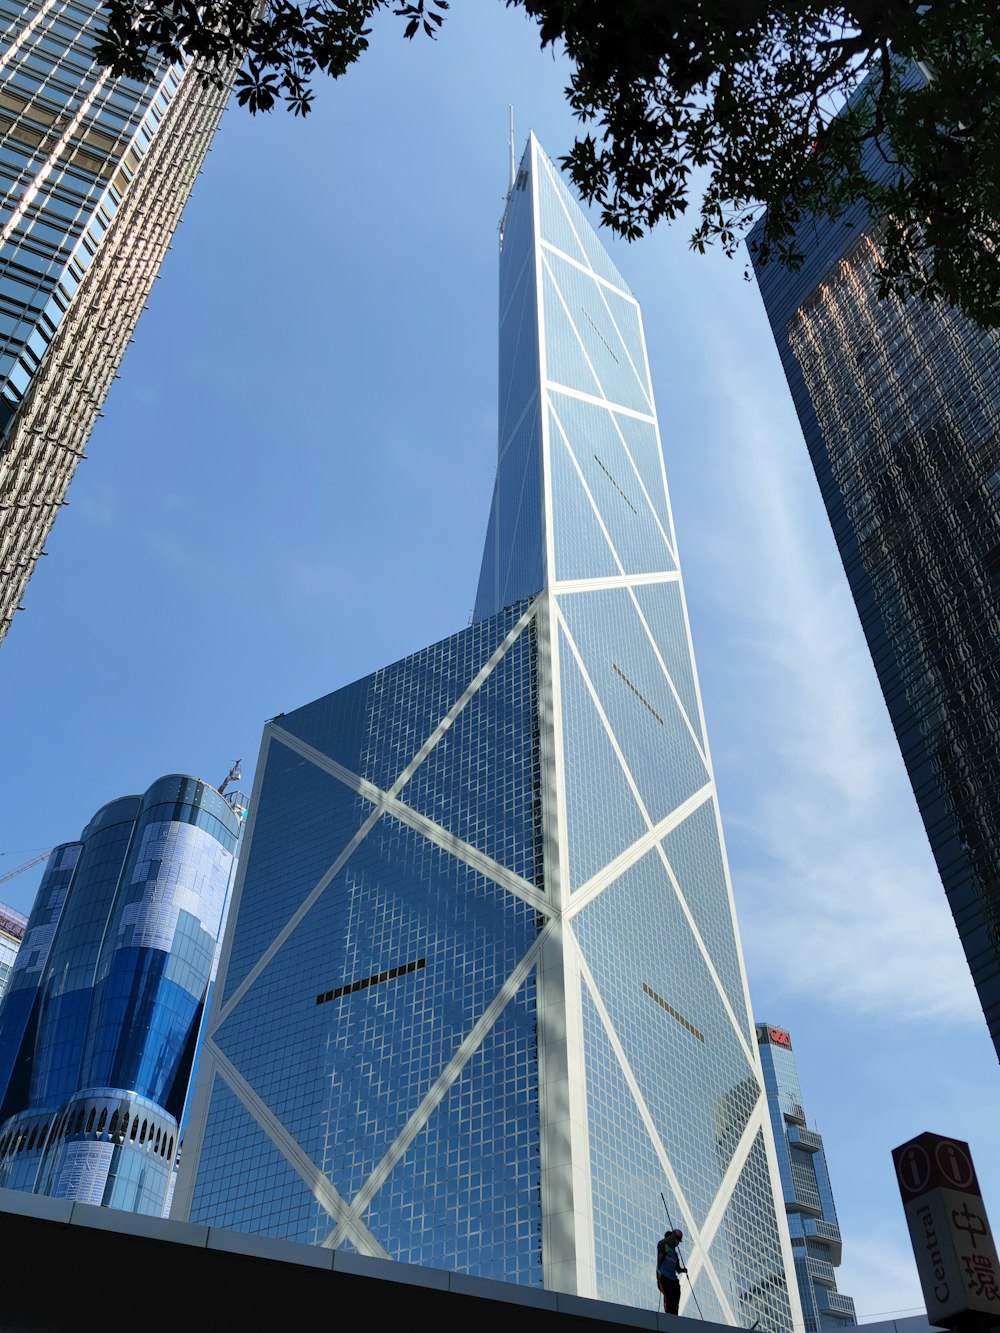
(513,165)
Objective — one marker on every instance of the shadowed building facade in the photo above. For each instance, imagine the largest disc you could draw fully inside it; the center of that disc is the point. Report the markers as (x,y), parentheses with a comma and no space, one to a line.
(899,403)
(805,1181)
(94,173)
(98,1028)
(482,1005)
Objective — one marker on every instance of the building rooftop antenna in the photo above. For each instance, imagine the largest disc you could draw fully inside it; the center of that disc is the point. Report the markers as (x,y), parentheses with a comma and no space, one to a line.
(513,164)
(513,176)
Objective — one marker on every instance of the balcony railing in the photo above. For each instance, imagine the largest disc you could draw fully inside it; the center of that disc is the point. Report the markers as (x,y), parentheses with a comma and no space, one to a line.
(805,1138)
(833,1303)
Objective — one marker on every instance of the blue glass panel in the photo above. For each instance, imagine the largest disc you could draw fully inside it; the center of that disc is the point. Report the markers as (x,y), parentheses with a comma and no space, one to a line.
(520,537)
(695,855)
(644,447)
(581,548)
(518,223)
(486,593)
(619,369)
(626,1174)
(565,360)
(245,1184)
(375,726)
(299,806)
(481,780)
(518,349)
(703,1303)
(554,219)
(686,1058)
(466,1196)
(663,607)
(635,695)
(346,1074)
(625,313)
(141,1028)
(596,829)
(757,1285)
(599,259)
(631,524)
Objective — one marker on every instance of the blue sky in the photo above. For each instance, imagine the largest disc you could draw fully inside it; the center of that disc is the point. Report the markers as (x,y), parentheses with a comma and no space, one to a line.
(290,487)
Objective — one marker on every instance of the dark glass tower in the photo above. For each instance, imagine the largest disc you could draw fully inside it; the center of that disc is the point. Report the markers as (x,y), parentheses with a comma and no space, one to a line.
(482,1006)
(99,1025)
(94,173)
(805,1181)
(899,404)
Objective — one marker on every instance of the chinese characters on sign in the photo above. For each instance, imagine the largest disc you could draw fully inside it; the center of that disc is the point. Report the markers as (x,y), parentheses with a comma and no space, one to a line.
(952,1242)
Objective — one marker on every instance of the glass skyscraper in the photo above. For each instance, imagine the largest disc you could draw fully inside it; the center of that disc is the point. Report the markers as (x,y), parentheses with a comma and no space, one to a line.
(899,403)
(94,173)
(99,1026)
(481,1005)
(805,1181)
(12,927)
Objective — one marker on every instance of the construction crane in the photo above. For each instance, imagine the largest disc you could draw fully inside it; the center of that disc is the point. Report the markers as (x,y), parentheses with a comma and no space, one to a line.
(27,866)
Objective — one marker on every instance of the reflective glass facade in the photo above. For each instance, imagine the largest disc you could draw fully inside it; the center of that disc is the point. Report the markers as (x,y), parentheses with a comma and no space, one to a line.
(481,1005)
(900,408)
(94,173)
(805,1181)
(12,928)
(99,1026)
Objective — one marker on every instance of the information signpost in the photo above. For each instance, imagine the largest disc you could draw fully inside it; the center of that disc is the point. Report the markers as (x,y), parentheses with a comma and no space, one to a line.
(952,1242)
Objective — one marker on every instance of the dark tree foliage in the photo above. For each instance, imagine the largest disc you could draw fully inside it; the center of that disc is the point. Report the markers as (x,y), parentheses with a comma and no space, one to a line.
(754,106)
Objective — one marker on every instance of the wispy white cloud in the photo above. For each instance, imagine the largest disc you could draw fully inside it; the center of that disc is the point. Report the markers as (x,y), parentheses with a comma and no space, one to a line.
(836,883)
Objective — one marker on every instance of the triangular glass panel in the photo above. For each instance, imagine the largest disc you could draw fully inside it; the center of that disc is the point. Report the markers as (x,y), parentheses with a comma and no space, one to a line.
(667,1014)
(555,224)
(598,257)
(694,851)
(581,547)
(605,350)
(627,1176)
(466,1196)
(390,970)
(518,221)
(481,781)
(663,608)
(651,730)
(633,529)
(241,1156)
(520,532)
(564,359)
(644,447)
(518,354)
(487,594)
(628,324)
(327,816)
(598,827)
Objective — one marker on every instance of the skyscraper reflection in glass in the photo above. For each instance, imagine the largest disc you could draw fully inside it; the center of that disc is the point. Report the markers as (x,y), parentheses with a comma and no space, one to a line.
(899,403)
(94,173)
(805,1180)
(99,1025)
(482,1004)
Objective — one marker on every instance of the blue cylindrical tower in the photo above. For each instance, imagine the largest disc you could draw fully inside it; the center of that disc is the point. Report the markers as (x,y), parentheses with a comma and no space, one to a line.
(111,1038)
